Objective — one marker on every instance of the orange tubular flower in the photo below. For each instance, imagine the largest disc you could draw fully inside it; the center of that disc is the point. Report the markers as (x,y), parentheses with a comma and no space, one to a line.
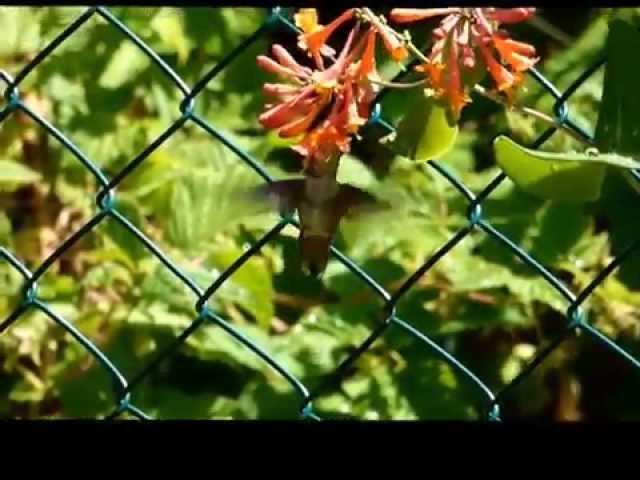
(519,56)
(327,106)
(461,36)
(315,36)
(407,15)
(456,95)
(368,62)
(395,48)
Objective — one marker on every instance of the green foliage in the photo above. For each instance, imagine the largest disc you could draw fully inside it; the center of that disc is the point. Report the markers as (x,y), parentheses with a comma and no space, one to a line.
(13,174)
(21,32)
(565,177)
(426,131)
(617,129)
(479,302)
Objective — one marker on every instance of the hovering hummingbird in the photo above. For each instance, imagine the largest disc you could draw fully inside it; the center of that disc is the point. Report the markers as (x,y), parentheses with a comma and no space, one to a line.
(321,202)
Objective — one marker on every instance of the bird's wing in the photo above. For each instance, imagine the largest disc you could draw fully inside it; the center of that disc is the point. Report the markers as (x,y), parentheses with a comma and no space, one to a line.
(353,202)
(283,195)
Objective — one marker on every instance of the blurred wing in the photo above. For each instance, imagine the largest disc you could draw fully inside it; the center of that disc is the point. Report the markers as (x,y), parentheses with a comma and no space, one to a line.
(281,195)
(367,215)
(353,202)
(269,198)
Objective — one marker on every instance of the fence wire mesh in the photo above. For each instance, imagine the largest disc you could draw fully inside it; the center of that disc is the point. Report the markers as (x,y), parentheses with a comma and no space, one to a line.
(279,20)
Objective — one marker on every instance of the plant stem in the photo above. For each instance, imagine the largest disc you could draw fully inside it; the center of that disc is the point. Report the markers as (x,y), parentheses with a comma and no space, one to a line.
(384,83)
(532,112)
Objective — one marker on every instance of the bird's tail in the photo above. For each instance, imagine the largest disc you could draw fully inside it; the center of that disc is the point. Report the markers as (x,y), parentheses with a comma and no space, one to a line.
(314,253)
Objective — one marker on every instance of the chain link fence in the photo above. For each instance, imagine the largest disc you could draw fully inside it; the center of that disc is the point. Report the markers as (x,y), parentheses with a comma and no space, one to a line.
(106,201)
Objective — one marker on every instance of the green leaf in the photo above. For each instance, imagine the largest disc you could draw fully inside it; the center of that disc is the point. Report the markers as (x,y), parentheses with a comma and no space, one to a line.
(618,129)
(125,65)
(563,177)
(5,229)
(14,174)
(20,31)
(612,159)
(468,273)
(211,343)
(250,286)
(126,240)
(425,133)
(355,172)
(448,399)
(629,15)
(182,222)
(169,25)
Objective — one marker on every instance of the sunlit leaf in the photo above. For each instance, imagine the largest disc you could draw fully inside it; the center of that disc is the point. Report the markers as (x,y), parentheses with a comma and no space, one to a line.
(125,65)
(13,174)
(425,132)
(169,25)
(20,31)
(564,177)
(118,233)
(250,286)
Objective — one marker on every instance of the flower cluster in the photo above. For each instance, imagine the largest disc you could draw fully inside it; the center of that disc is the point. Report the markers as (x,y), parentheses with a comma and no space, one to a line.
(467,43)
(325,105)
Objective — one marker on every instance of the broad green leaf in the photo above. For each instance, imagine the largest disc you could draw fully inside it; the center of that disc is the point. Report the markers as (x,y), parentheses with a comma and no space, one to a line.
(28,391)
(120,235)
(20,31)
(250,286)
(449,397)
(107,273)
(57,286)
(125,65)
(560,228)
(159,316)
(88,393)
(5,229)
(211,343)
(162,286)
(157,171)
(169,25)
(14,174)
(425,132)
(335,405)
(594,156)
(630,15)
(618,128)
(355,172)
(468,273)
(572,178)
(183,217)
(320,341)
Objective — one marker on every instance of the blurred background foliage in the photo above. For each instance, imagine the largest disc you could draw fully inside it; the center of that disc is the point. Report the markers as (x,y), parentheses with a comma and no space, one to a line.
(479,302)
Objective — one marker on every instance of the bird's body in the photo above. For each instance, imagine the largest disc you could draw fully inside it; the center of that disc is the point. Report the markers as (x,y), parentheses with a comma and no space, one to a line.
(321,202)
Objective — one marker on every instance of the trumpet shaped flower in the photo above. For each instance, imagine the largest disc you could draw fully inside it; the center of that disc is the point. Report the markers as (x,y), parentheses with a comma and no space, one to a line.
(326,106)
(467,43)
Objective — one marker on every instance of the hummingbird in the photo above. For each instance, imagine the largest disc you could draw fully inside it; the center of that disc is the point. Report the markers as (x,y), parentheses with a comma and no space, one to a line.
(321,203)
